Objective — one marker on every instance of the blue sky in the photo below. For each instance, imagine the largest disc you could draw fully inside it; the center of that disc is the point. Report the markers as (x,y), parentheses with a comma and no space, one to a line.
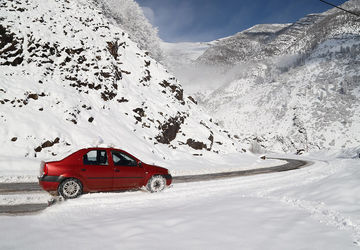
(206,20)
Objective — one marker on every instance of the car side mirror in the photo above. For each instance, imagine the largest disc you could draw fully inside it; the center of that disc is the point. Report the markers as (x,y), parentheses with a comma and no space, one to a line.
(140,164)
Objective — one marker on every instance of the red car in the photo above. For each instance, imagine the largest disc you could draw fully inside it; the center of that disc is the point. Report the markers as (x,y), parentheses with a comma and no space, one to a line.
(100,169)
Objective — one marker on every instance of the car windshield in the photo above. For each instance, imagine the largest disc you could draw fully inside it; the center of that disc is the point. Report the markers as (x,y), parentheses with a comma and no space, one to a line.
(122,159)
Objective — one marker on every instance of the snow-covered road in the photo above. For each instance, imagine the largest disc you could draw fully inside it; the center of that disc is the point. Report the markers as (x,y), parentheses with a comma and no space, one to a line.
(310,208)
(16,198)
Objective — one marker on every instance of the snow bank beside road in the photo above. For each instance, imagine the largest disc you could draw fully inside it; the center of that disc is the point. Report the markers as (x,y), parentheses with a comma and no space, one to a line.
(27,170)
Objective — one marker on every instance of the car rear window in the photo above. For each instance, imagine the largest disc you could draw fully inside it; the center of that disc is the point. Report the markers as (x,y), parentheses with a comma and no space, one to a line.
(95,157)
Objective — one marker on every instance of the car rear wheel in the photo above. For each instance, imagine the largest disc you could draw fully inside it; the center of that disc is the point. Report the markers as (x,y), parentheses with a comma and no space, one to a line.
(70,188)
(156,183)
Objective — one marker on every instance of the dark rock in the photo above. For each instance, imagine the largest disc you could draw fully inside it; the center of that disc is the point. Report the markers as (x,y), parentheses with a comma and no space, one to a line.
(113,48)
(211,139)
(179,92)
(38,149)
(170,129)
(33,96)
(13,48)
(105,74)
(91,119)
(122,100)
(74,51)
(195,144)
(192,99)
(300,151)
(147,76)
(117,73)
(125,72)
(140,112)
(108,95)
(47,144)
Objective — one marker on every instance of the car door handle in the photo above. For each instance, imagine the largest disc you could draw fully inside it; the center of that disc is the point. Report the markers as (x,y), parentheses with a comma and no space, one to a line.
(83,169)
(117,170)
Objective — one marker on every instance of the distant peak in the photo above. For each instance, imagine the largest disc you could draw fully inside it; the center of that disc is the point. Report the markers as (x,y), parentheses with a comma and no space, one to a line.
(267,28)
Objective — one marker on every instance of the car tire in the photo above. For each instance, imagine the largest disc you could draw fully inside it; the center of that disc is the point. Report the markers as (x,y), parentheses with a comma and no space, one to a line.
(70,188)
(157,183)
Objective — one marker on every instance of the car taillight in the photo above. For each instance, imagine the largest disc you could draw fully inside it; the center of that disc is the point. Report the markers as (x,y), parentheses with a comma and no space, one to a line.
(43,169)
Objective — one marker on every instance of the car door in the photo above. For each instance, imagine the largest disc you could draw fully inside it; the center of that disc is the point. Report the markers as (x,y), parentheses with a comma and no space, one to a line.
(96,170)
(127,173)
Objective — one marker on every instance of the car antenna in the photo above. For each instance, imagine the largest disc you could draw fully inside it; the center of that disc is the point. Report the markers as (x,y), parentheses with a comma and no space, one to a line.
(348,11)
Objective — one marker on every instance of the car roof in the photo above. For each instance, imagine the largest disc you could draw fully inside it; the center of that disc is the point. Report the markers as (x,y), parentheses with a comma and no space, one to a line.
(101,148)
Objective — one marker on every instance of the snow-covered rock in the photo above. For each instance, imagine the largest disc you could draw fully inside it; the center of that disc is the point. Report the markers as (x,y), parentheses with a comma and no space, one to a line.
(70,79)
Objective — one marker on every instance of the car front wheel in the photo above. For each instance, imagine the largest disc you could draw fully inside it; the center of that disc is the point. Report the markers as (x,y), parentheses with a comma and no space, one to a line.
(156,183)
(70,188)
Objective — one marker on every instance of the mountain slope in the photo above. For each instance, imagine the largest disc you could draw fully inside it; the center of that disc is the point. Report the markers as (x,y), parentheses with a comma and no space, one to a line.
(302,90)
(292,87)
(69,79)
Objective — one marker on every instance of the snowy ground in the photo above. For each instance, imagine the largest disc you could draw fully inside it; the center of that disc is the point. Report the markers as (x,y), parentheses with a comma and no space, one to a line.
(311,208)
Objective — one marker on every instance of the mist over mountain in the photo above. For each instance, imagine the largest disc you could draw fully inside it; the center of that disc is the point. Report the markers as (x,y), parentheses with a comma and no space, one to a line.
(288,87)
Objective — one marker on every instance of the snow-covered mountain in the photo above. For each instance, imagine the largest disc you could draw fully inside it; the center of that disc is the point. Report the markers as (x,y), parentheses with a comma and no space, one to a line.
(268,40)
(69,79)
(289,87)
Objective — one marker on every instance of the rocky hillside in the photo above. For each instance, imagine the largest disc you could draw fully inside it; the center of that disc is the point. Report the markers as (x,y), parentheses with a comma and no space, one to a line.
(292,87)
(70,79)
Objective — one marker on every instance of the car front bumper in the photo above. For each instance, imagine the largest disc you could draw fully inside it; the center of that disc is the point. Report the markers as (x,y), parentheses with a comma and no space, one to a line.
(168,178)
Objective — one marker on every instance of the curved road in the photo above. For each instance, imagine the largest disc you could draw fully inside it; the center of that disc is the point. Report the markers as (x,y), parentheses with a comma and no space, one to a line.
(290,165)
(19,188)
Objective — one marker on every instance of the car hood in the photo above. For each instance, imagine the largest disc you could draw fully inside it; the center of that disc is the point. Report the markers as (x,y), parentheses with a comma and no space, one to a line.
(158,168)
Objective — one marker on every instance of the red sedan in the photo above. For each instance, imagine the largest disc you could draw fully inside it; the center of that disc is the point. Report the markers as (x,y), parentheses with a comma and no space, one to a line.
(100,169)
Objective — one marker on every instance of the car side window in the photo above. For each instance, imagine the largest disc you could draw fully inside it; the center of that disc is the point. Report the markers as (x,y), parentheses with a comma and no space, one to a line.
(121,159)
(95,157)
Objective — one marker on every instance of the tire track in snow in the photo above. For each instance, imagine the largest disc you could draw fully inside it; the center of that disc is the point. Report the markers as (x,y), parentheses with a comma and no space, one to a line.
(318,210)
(325,215)
(22,208)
